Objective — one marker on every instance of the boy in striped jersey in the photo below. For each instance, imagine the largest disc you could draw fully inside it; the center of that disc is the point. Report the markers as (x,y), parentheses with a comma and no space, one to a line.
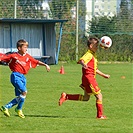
(89,83)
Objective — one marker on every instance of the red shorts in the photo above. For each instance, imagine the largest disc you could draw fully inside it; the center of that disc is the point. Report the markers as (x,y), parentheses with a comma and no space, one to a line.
(89,84)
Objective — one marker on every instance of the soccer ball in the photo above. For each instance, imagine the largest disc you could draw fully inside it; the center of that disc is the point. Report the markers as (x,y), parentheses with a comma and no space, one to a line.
(105,42)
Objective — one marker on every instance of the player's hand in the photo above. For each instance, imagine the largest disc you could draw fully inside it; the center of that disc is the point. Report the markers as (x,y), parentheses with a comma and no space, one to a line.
(106,76)
(85,66)
(47,68)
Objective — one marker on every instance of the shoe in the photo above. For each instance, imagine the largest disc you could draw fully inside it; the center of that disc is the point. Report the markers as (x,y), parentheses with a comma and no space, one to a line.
(20,113)
(102,117)
(5,111)
(62,98)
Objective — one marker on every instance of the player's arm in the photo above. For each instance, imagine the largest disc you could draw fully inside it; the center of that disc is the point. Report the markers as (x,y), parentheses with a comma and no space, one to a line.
(82,63)
(5,58)
(1,55)
(85,59)
(35,62)
(102,74)
(43,64)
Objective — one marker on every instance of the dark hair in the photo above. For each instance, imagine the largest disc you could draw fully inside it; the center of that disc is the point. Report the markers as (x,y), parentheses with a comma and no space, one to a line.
(92,40)
(21,42)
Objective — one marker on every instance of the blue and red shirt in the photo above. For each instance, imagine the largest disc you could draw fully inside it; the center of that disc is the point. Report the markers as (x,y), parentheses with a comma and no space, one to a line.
(19,63)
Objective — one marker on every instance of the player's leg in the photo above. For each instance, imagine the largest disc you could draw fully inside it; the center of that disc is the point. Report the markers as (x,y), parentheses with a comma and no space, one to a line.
(87,91)
(99,106)
(9,105)
(86,97)
(19,81)
(64,96)
(22,96)
(75,97)
(12,103)
(97,93)
(21,101)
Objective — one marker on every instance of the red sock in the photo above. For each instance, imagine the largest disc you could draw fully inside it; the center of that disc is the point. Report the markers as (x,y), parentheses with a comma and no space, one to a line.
(76,97)
(99,108)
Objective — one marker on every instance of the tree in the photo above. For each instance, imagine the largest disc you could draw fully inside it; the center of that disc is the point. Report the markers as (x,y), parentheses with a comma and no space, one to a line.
(29,9)
(61,9)
(7,9)
(124,9)
(125,14)
(102,25)
(119,30)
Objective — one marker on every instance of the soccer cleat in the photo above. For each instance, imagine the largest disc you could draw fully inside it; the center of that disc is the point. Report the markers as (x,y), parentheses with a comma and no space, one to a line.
(5,111)
(62,98)
(20,113)
(102,117)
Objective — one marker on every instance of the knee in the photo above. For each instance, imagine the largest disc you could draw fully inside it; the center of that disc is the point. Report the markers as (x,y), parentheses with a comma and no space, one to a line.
(24,93)
(99,96)
(86,98)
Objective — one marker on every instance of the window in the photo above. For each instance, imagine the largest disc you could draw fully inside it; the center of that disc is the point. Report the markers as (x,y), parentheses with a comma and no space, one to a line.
(102,7)
(96,6)
(108,7)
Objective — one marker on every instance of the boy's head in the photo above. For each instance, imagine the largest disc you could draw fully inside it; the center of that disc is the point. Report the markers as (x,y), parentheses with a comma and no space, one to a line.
(92,40)
(92,43)
(22,46)
(21,43)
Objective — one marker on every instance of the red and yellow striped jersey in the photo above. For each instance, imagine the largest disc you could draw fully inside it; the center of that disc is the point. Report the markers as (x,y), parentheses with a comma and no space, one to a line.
(90,60)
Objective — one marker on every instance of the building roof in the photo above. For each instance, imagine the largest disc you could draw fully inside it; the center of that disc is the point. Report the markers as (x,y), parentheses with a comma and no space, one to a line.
(32,20)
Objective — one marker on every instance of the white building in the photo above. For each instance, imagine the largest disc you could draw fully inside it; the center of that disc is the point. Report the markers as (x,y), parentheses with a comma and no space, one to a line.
(100,8)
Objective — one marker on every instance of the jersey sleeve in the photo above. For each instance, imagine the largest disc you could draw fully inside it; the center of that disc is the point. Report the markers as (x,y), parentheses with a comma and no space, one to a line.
(1,55)
(5,58)
(33,62)
(86,57)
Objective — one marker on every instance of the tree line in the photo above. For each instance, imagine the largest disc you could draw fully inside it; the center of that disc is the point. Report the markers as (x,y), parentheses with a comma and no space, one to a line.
(118,27)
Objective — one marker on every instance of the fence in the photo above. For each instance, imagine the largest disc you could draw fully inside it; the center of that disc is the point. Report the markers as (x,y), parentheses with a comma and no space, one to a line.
(95,17)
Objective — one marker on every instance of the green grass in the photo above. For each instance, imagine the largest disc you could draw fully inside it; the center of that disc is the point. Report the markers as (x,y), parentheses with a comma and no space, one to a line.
(43,115)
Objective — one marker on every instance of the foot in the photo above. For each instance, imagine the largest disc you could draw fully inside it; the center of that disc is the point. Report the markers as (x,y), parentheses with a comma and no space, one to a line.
(20,113)
(5,111)
(62,98)
(102,117)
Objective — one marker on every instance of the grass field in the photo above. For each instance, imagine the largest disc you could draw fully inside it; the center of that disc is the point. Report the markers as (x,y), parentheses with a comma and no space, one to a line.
(43,115)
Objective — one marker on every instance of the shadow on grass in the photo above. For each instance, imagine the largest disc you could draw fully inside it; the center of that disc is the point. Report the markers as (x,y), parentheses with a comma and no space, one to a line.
(53,116)
(46,116)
